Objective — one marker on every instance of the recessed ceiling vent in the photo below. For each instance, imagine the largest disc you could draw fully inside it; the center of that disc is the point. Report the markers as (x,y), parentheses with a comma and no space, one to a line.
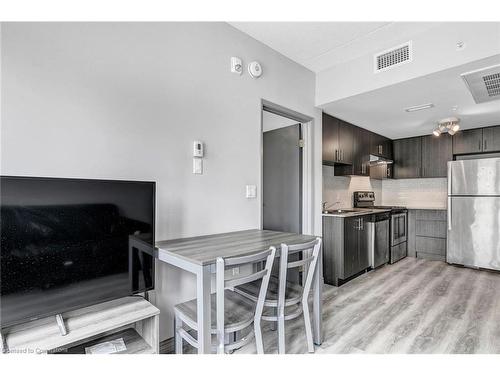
(484,84)
(393,57)
(492,83)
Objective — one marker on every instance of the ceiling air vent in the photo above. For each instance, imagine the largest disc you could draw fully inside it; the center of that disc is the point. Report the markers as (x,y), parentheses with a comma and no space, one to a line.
(492,83)
(484,84)
(393,57)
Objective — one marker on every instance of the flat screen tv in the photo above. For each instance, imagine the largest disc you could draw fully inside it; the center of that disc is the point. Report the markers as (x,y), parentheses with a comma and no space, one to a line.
(71,243)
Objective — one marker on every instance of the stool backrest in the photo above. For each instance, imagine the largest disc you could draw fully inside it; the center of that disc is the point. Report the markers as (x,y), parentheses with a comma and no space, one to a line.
(224,282)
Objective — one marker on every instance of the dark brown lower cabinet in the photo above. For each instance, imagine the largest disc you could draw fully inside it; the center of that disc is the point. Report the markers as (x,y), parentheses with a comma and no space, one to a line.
(436,153)
(345,247)
(427,234)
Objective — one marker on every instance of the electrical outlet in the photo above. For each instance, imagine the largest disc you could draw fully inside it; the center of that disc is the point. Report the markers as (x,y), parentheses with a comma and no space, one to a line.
(236,271)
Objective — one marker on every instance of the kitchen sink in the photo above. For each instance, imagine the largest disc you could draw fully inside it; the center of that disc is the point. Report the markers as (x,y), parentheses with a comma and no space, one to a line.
(338,211)
(341,211)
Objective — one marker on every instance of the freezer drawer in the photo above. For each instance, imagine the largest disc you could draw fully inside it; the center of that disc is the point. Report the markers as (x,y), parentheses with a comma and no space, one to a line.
(474,177)
(474,232)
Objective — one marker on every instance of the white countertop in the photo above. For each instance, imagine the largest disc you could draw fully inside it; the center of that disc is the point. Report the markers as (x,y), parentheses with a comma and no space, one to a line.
(419,207)
(357,212)
(369,211)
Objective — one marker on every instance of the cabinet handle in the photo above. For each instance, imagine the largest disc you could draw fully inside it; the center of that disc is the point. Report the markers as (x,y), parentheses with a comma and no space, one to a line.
(336,153)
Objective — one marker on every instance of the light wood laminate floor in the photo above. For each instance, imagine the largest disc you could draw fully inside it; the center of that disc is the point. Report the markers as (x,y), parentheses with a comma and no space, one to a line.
(413,306)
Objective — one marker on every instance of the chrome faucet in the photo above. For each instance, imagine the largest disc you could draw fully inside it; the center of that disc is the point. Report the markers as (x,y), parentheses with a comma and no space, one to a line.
(326,206)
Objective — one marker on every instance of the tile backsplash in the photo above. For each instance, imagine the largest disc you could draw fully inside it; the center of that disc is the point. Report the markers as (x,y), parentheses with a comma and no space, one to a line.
(416,192)
(412,193)
(340,189)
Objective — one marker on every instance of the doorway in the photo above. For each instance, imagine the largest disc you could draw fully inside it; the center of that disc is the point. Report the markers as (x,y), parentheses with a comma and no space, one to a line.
(284,165)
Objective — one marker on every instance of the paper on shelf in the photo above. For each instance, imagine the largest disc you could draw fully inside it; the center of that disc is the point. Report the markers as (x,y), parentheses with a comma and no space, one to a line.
(108,347)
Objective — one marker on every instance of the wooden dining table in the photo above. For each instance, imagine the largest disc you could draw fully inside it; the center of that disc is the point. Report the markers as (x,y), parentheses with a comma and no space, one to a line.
(199,254)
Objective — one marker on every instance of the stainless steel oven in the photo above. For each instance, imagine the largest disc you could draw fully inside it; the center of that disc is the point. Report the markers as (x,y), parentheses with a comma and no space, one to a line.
(399,227)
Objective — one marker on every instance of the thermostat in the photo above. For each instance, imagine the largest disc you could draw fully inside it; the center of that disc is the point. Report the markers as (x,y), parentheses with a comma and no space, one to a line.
(198,149)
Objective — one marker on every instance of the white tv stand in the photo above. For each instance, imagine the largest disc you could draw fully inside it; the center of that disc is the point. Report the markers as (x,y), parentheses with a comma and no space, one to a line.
(134,316)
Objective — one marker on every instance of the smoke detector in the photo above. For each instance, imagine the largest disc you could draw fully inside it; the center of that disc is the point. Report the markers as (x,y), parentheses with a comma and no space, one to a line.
(483,84)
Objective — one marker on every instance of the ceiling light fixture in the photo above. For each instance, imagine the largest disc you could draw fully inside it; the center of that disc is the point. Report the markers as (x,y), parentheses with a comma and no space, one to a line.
(419,107)
(448,125)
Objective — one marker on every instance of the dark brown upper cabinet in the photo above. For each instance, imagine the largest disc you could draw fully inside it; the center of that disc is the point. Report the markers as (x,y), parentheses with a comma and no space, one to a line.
(491,139)
(345,142)
(468,141)
(407,157)
(436,153)
(330,139)
(337,141)
(380,145)
(360,155)
(361,158)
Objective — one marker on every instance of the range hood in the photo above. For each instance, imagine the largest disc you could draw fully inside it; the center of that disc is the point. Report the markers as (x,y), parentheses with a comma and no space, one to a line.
(377,160)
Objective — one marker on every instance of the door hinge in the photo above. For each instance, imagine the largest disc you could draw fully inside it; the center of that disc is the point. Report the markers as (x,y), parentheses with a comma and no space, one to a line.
(301,143)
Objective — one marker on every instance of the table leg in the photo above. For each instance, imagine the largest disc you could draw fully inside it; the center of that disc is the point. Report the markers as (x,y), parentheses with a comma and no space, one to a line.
(318,301)
(203,289)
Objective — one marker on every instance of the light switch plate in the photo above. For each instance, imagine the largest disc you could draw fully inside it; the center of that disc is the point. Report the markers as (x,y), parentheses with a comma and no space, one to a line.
(251,191)
(197,166)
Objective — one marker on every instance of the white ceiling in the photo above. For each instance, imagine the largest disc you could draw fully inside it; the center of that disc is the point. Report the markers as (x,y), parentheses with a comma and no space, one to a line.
(383,111)
(320,45)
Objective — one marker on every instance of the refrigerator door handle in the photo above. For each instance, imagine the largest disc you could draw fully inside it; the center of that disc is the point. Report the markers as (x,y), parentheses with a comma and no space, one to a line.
(449,213)
(449,178)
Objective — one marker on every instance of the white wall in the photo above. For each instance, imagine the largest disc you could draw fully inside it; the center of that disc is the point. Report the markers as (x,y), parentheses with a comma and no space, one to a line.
(126,100)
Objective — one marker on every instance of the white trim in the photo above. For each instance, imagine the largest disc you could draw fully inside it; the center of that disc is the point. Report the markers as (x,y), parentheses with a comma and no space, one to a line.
(307,181)
(307,164)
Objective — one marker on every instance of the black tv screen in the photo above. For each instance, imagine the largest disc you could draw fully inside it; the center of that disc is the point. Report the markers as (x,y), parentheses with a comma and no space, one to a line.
(71,243)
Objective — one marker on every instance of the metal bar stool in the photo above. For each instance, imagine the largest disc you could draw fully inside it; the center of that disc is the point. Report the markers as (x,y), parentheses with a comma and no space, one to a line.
(231,312)
(285,295)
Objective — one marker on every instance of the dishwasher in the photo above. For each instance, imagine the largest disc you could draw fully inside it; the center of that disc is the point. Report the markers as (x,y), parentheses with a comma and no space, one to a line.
(379,239)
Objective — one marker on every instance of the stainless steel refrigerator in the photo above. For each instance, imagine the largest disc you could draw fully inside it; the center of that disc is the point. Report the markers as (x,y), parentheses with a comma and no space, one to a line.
(474,213)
